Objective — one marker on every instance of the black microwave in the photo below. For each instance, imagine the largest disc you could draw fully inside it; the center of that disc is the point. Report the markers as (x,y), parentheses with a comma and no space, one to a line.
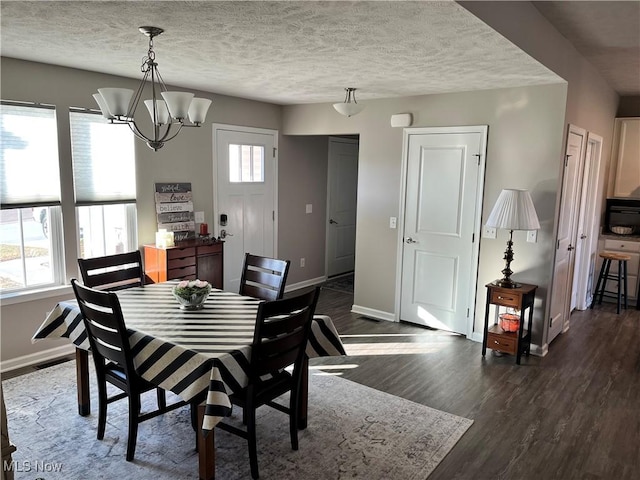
(622,213)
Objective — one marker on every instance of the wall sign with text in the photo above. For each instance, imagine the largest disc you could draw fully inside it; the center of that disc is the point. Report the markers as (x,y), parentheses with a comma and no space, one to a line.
(174,209)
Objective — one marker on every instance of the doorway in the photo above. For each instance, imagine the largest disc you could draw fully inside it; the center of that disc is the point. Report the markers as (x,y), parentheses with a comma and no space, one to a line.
(245,212)
(342,196)
(444,175)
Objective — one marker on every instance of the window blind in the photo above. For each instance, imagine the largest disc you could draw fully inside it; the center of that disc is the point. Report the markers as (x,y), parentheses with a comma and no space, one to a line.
(103,160)
(29,168)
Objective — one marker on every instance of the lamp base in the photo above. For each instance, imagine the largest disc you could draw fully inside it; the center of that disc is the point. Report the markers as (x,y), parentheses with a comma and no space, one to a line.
(507,283)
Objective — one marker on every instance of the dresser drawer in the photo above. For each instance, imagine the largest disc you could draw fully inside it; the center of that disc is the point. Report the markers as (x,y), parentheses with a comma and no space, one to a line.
(185,273)
(210,249)
(180,262)
(621,245)
(502,343)
(181,252)
(505,298)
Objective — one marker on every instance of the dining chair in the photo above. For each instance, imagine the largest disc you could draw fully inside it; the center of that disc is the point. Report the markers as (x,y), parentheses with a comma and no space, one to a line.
(264,277)
(113,272)
(280,338)
(109,342)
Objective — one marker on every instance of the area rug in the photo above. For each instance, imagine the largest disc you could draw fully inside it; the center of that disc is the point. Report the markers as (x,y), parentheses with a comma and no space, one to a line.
(354,432)
(343,283)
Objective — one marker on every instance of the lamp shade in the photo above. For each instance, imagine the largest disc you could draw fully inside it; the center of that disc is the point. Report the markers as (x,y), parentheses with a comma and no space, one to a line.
(178,103)
(198,110)
(348,109)
(117,100)
(514,210)
(162,113)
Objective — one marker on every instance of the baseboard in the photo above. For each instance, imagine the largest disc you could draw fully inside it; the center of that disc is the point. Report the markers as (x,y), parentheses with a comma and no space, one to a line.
(370,312)
(539,351)
(305,283)
(36,358)
(476,337)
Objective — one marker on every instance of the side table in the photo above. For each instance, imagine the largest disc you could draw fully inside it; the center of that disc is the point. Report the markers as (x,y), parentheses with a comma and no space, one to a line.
(514,343)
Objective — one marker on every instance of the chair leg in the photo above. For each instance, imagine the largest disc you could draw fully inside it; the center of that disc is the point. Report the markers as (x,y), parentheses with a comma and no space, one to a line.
(162,399)
(102,408)
(600,280)
(293,417)
(619,296)
(624,279)
(250,413)
(134,412)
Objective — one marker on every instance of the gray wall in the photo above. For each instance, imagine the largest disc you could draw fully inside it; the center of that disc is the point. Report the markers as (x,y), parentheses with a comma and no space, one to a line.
(302,177)
(187,158)
(524,151)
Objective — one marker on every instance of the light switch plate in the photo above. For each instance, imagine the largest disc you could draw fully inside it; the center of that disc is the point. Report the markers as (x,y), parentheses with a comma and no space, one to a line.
(393,222)
(309,208)
(532,236)
(488,232)
(199,217)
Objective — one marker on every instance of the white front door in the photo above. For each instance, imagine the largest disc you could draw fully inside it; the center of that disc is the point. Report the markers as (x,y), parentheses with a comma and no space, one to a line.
(245,211)
(444,177)
(567,228)
(341,205)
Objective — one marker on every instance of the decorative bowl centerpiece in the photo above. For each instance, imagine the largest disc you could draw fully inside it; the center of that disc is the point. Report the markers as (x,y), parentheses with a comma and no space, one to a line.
(191,294)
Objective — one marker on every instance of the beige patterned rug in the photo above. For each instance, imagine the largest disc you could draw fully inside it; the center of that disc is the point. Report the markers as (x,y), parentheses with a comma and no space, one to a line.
(354,432)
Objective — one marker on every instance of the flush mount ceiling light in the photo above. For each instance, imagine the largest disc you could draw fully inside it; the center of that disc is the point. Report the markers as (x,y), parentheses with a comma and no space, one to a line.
(349,107)
(168,114)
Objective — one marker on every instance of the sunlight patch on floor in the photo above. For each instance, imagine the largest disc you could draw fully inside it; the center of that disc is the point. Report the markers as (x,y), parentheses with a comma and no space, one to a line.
(393,348)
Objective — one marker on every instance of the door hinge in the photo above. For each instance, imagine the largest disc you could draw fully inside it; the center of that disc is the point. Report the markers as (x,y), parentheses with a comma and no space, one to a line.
(467,313)
(473,238)
(566,160)
(550,321)
(274,152)
(557,244)
(273,215)
(479,157)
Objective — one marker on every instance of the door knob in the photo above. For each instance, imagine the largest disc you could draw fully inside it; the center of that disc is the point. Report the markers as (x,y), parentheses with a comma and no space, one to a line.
(411,240)
(583,236)
(225,234)
(570,247)
(332,221)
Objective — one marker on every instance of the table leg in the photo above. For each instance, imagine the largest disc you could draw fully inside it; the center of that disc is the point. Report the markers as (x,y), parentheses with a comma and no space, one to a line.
(486,324)
(304,395)
(82,380)
(206,449)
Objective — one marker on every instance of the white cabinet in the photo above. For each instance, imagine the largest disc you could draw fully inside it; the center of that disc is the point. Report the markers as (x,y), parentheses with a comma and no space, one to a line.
(626,152)
(631,248)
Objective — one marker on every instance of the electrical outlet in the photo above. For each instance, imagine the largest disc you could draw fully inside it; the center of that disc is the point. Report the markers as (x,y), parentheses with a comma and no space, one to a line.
(302,262)
(393,222)
(309,208)
(532,236)
(488,232)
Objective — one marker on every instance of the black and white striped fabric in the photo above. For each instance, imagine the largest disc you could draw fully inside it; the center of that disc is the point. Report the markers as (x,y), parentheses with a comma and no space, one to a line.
(189,352)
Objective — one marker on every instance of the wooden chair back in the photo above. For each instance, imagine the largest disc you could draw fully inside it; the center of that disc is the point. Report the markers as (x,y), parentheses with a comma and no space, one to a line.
(106,330)
(281,334)
(113,272)
(264,277)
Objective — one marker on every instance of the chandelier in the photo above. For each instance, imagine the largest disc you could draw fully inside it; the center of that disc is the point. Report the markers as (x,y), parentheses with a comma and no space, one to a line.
(349,107)
(168,114)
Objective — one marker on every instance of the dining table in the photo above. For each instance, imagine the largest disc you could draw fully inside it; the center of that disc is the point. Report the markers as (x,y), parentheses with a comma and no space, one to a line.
(200,355)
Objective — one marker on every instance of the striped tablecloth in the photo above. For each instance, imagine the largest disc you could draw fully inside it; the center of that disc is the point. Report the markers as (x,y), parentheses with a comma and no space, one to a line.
(188,352)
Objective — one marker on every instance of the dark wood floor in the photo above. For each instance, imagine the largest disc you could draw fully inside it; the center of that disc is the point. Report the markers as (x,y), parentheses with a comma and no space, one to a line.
(572,414)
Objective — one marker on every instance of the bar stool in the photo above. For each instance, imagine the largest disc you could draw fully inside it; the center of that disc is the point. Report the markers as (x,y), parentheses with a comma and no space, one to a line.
(621,277)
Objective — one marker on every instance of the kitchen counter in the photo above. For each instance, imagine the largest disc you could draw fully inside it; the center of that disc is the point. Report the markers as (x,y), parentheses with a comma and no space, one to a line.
(624,238)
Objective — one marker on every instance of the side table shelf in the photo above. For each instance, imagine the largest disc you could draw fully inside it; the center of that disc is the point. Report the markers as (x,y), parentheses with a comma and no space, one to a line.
(514,343)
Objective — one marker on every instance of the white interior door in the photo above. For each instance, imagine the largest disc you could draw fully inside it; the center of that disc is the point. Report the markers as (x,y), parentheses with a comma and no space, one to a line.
(588,226)
(341,205)
(245,170)
(567,232)
(442,214)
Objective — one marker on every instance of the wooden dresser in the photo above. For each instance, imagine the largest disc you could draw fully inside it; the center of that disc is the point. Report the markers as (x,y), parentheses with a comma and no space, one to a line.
(186,261)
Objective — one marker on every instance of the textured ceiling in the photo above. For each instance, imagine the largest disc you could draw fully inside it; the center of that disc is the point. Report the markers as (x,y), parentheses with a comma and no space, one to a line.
(607,34)
(281,52)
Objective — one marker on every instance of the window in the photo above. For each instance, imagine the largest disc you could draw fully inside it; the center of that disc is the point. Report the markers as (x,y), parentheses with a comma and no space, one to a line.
(30,219)
(246,163)
(105,185)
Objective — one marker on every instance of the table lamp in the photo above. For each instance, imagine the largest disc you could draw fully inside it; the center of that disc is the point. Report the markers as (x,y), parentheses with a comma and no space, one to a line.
(513,210)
